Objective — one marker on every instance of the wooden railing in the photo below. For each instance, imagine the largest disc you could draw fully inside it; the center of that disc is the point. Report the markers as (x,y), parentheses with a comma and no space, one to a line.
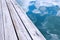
(15,24)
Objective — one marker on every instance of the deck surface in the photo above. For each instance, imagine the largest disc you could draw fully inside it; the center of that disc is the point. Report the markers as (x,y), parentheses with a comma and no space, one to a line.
(15,24)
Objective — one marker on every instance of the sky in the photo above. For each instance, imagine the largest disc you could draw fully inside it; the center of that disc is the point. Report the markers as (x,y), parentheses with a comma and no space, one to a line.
(26,3)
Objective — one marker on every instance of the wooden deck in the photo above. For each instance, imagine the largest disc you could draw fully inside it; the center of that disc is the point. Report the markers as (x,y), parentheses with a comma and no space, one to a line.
(15,24)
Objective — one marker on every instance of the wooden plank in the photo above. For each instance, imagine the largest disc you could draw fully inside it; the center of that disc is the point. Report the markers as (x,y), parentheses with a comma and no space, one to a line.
(22,33)
(9,32)
(36,35)
(1,24)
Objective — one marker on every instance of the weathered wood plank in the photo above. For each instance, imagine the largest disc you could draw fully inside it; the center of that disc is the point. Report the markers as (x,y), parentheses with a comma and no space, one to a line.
(21,32)
(9,32)
(36,35)
(1,24)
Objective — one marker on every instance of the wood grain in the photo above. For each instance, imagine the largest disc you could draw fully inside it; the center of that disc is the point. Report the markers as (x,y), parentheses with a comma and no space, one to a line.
(9,32)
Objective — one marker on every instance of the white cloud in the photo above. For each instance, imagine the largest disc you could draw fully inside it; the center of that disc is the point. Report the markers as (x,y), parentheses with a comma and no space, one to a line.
(47,3)
(25,3)
(58,13)
(36,11)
